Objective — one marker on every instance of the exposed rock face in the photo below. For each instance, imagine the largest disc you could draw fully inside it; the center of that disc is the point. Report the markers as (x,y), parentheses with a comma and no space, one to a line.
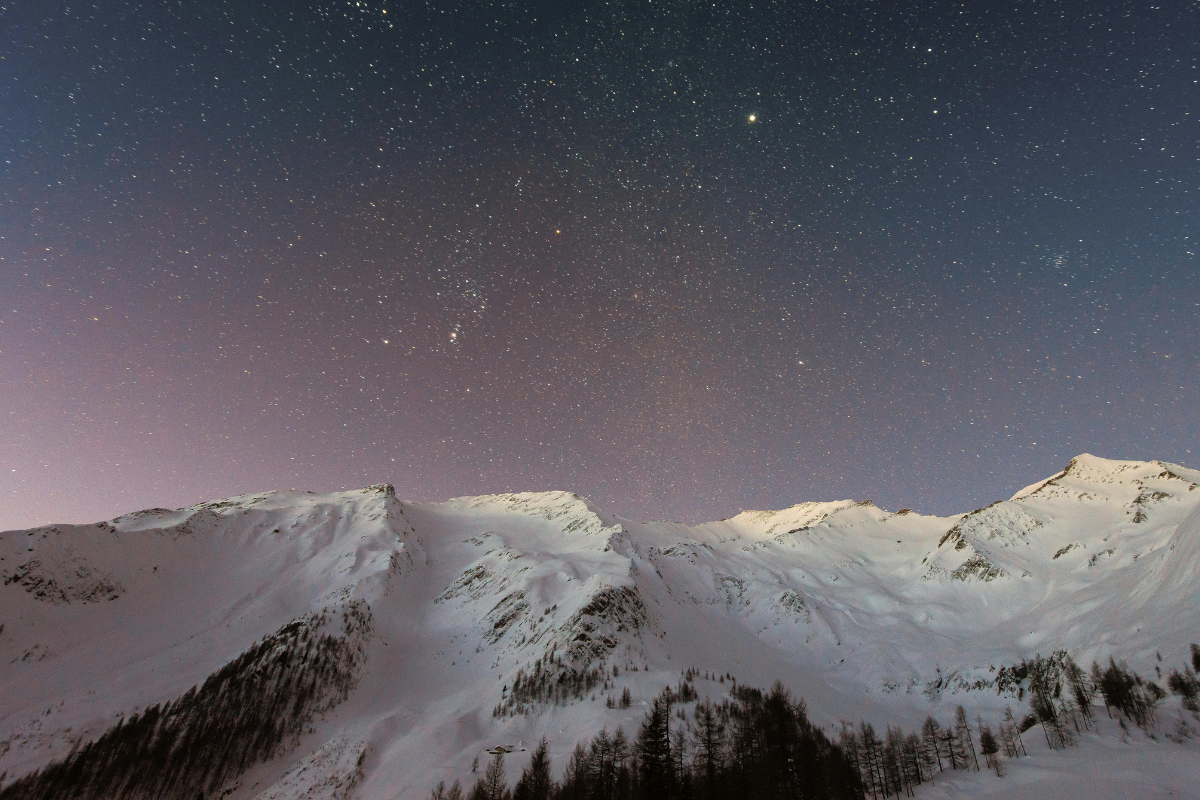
(69,583)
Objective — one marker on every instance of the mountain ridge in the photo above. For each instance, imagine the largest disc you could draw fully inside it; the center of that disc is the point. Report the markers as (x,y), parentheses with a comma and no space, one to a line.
(497,618)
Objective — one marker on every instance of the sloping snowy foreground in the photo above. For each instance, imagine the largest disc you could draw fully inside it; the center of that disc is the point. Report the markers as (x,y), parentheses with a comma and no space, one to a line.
(1105,764)
(422,624)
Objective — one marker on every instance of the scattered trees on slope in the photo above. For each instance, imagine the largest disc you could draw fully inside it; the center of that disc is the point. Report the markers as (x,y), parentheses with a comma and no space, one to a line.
(756,744)
(899,762)
(1124,690)
(1062,695)
(551,682)
(1185,683)
(248,711)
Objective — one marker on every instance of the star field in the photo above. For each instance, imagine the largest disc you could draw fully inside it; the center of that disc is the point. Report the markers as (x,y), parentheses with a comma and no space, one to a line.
(682,258)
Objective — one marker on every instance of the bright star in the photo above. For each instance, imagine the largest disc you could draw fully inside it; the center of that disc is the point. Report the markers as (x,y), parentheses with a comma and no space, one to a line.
(753,117)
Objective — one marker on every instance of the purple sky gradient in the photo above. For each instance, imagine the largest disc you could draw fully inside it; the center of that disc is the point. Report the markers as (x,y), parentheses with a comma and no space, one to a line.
(242,251)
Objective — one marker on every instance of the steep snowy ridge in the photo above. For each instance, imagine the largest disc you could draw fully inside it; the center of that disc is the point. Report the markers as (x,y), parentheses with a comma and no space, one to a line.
(196,587)
(790,520)
(491,621)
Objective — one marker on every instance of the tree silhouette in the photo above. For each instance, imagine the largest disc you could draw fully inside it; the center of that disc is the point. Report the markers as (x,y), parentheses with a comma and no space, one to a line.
(535,782)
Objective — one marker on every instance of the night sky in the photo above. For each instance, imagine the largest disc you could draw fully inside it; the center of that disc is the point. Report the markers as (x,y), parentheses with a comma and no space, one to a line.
(682,258)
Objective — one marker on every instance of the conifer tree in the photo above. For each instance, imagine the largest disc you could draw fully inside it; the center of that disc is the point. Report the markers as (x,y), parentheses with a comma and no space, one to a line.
(1006,732)
(1186,686)
(848,741)
(914,764)
(600,766)
(871,760)
(893,764)
(1125,690)
(1015,729)
(952,747)
(1097,679)
(494,784)
(620,756)
(989,747)
(1045,689)
(1083,691)
(931,738)
(575,776)
(708,743)
(654,750)
(535,782)
(455,792)
(962,731)
(679,758)
(780,738)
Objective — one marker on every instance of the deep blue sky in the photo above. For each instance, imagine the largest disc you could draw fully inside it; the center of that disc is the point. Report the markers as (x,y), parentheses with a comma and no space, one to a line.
(682,258)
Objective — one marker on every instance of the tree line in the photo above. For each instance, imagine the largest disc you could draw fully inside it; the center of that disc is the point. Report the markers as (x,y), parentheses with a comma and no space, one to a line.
(751,744)
(1061,700)
(762,744)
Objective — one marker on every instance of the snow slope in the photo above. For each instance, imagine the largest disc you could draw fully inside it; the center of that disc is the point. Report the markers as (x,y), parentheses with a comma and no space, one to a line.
(865,613)
(1109,763)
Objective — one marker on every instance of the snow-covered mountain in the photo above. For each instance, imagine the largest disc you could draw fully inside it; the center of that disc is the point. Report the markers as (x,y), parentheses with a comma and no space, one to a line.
(423,634)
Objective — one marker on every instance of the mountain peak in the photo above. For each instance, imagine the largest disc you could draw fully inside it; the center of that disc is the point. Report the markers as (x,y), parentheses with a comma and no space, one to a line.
(499,618)
(1086,471)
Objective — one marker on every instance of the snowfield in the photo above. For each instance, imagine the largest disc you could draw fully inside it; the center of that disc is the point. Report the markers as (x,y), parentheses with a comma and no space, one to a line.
(439,614)
(1106,764)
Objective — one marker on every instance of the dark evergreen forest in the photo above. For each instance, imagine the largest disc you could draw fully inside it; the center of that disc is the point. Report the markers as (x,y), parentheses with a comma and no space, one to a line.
(252,709)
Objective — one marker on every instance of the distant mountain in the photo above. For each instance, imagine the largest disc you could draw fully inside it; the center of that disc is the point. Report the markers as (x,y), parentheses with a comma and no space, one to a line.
(382,645)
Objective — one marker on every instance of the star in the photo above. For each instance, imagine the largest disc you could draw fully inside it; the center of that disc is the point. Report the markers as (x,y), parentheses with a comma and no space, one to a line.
(838,230)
